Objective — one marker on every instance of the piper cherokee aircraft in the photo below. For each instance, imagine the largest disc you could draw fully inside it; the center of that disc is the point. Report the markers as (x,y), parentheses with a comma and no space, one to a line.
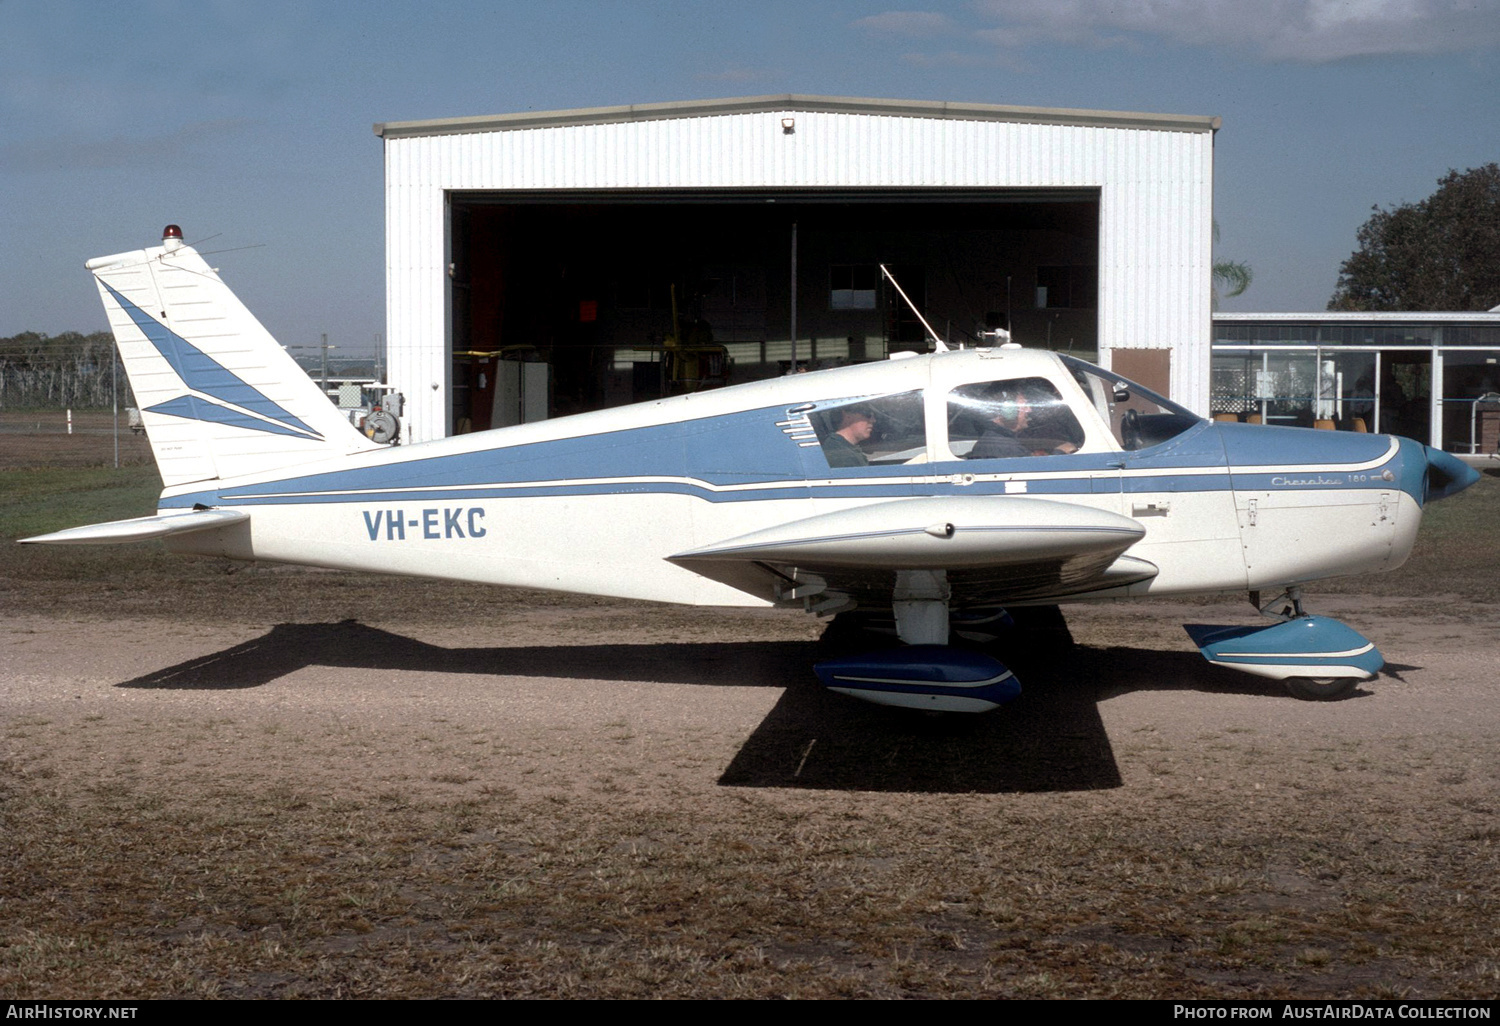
(933,490)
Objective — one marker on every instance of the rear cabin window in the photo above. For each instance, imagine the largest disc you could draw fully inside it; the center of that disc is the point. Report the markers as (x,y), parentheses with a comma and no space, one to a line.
(1016,417)
(886,431)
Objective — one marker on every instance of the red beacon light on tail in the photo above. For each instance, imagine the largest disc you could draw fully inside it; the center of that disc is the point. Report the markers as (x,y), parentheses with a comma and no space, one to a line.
(171,236)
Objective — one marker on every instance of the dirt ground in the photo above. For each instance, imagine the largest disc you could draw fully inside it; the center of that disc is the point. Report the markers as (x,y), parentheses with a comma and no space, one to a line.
(220,780)
(583,798)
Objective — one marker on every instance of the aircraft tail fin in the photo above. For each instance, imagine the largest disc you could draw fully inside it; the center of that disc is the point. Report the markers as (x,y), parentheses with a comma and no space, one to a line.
(218,396)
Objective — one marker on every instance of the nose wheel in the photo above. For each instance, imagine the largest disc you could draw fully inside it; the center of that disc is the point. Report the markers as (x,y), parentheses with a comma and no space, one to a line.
(1318,658)
(1321,689)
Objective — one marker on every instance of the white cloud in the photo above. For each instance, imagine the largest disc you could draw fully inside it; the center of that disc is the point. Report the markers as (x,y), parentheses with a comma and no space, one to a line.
(1311,31)
(910,24)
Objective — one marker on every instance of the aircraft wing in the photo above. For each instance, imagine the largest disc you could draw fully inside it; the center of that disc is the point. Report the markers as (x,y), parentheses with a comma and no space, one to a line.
(994,549)
(140,528)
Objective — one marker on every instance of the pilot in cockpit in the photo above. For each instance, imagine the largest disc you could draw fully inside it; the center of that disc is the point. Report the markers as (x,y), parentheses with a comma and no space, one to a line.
(842,447)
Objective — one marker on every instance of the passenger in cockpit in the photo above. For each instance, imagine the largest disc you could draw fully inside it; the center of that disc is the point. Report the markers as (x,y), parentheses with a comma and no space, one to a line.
(1016,429)
(1002,436)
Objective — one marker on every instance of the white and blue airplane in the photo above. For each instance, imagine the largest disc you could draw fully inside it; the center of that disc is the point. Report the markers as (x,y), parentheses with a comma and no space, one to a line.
(932,490)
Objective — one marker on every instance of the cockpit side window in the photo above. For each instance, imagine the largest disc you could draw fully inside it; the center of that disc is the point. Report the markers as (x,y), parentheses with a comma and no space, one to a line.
(1137,416)
(883,431)
(1014,417)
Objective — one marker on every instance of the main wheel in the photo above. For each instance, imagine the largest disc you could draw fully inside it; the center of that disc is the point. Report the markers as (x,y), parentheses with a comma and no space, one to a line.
(1321,689)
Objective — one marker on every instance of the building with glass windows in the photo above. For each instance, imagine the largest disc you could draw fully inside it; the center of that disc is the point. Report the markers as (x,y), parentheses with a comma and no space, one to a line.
(1434,377)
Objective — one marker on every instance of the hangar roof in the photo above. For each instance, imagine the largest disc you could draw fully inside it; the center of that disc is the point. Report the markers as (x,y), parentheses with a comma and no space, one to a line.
(798,102)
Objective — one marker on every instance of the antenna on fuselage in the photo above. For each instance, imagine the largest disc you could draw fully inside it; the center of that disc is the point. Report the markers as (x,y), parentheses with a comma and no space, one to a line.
(938,344)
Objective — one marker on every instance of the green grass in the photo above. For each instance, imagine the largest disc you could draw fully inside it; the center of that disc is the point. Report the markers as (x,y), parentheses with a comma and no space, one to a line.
(1468,513)
(39,501)
(1457,551)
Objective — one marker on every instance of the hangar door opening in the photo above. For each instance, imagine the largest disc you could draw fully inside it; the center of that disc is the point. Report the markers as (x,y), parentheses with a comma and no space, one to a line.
(564,303)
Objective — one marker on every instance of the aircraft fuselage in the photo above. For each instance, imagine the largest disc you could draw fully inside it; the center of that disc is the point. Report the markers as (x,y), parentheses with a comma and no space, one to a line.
(598,503)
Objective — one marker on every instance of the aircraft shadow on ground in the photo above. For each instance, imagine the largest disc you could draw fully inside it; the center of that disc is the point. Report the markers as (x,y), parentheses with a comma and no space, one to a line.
(1052,739)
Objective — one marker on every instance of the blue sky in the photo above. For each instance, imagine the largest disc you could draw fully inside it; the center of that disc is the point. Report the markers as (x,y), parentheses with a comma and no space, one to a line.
(249,125)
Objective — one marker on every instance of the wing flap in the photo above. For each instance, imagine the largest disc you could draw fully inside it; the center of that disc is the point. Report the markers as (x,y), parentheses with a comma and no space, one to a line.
(117,532)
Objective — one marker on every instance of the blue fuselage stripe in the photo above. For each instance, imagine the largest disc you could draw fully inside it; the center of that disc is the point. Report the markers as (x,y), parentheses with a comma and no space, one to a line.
(1035,489)
(688,457)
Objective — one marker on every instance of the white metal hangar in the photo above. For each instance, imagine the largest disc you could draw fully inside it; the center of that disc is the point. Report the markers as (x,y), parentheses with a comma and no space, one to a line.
(540,264)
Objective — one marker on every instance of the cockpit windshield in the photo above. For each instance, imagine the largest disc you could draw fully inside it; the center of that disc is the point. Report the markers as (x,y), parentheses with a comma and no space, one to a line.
(1138,417)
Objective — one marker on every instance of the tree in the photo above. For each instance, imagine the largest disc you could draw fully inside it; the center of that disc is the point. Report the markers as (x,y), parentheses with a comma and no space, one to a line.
(1440,254)
(1230,275)
(1233,276)
(67,370)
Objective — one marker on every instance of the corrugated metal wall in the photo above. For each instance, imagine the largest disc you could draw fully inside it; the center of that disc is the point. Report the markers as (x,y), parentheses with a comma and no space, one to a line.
(1156,189)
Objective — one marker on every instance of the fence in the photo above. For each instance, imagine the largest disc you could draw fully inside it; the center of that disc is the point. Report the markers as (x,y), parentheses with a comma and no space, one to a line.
(58,396)
(38,438)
